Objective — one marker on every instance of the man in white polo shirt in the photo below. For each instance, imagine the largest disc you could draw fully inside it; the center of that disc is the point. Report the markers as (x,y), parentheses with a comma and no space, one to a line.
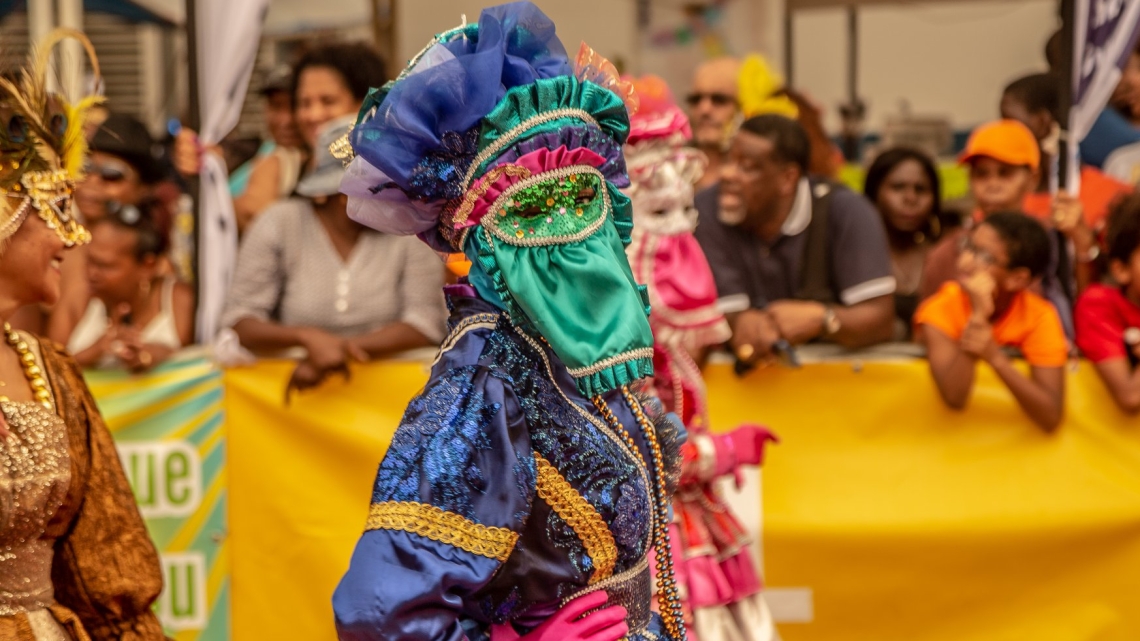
(793,258)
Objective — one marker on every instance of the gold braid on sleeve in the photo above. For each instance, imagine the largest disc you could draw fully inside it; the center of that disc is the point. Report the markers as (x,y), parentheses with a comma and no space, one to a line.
(582,517)
(446,527)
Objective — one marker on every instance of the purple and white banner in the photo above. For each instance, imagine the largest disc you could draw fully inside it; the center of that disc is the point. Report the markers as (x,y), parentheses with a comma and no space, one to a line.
(1104,32)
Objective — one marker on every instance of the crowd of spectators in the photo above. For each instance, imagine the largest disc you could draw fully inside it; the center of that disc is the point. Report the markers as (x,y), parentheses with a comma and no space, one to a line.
(1023,270)
(798,258)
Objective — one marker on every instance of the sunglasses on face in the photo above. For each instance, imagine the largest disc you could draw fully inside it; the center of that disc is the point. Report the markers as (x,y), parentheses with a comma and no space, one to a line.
(108,172)
(717,99)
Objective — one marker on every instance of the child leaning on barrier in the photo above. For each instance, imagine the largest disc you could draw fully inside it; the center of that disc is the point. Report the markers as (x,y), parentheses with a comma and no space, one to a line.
(991,307)
(1108,316)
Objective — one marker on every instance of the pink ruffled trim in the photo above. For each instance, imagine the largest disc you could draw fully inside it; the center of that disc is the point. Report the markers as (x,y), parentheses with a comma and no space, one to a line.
(706,582)
(741,574)
(536,162)
(659,124)
(707,585)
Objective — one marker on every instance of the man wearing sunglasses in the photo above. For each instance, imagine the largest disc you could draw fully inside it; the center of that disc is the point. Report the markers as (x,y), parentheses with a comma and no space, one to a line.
(795,259)
(713,112)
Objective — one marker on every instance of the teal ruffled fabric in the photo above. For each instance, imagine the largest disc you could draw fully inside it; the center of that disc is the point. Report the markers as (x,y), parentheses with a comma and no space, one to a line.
(615,376)
(581,297)
(550,94)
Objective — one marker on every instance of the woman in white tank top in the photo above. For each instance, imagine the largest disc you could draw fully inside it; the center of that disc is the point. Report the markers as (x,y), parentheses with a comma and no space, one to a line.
(136,317)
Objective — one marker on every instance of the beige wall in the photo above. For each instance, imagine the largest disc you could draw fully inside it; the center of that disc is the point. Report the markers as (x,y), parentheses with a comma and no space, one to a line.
(947,60)
(950,60)
(607,25)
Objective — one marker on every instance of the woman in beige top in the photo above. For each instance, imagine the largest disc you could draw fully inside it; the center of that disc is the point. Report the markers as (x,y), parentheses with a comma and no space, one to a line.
(307,275)
(77,563)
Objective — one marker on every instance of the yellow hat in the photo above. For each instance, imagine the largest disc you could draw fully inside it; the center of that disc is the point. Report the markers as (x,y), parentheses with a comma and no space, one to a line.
(757,89)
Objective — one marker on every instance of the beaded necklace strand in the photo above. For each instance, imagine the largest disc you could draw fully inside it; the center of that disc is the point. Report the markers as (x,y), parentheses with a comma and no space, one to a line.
(32,370)
(668,598)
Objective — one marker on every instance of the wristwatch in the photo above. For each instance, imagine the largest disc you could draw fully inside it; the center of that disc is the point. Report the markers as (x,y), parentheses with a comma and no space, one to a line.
(831,322)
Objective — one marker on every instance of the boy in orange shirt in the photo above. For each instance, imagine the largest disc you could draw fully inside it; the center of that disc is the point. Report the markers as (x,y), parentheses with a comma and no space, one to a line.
(991,307)
(1005,165)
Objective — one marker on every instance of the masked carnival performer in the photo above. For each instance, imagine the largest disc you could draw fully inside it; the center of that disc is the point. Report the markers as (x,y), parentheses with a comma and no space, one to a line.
(718,582)
(528,482)
(77,563)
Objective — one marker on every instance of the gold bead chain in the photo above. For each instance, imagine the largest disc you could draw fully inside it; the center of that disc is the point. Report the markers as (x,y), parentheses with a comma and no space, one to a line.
(668,598)
(32,370)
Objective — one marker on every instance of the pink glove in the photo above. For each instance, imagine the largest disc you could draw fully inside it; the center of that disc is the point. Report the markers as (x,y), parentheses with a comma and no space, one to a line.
(568,624)
(742,446)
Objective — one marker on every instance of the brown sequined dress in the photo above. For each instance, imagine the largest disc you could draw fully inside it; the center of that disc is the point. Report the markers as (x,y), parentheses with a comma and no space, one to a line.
(75,559)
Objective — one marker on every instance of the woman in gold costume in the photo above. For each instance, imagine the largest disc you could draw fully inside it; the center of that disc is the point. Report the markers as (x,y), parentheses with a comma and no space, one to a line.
(76,563)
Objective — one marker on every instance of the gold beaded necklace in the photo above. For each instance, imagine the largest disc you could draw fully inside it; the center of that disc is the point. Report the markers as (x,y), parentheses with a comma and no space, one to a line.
(668,596)
(32,370)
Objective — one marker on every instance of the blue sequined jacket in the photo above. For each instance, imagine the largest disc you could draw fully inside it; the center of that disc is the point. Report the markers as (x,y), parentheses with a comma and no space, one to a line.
(503,495)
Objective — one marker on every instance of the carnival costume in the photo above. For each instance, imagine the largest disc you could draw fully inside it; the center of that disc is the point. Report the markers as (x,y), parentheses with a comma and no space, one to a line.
(529,471)
(719,584)
(77,563)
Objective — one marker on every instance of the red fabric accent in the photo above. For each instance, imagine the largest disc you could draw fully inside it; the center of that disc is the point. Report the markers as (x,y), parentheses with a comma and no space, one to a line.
(1102,314)
(537,162)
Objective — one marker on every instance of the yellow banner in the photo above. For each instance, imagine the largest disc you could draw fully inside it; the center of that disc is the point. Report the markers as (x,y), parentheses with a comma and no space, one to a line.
(885,515)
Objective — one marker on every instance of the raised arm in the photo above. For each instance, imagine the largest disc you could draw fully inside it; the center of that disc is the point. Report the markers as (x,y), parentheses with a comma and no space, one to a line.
(1122,382)
(950,366)
(1041,395)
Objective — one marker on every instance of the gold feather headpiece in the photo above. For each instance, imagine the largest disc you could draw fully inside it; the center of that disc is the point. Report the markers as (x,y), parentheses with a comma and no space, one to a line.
(42,144)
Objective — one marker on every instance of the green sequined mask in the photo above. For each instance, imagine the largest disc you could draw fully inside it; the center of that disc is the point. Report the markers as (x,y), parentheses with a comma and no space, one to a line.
(551,210)
(551,252)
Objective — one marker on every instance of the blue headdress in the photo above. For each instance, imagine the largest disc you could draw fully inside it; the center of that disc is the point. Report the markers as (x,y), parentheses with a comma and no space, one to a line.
(476,97)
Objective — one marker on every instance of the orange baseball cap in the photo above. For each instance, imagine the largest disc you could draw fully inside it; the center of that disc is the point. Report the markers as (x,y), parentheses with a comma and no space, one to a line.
(1007,141)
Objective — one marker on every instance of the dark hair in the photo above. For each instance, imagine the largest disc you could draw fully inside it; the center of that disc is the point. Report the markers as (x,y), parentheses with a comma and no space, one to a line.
(789,140)
(127,137)
(886,162)
(1026,241)
(1038,92)
(358,64)
(1123,236)
(1053,52)
(143,220)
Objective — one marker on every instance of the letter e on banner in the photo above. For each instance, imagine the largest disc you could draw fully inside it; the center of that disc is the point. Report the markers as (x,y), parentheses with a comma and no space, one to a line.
(166,477)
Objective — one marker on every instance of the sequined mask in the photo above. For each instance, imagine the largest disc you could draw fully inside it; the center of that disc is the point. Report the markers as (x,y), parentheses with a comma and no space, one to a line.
(548,250)
(49,194)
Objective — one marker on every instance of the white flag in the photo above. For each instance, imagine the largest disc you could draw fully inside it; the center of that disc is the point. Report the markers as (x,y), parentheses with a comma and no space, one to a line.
(229,33)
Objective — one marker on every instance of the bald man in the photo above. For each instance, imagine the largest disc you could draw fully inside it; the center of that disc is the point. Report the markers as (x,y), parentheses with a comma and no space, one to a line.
(712,111)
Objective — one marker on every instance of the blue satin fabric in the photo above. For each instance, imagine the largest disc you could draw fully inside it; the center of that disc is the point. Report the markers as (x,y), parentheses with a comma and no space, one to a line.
(466,445)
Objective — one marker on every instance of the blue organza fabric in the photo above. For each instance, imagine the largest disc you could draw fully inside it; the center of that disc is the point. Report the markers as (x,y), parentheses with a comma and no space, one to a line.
(453,86)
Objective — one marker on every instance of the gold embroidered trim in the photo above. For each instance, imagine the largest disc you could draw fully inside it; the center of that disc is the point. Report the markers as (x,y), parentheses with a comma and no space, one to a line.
(446,527)
(573,508)
(341,148)
(467,205)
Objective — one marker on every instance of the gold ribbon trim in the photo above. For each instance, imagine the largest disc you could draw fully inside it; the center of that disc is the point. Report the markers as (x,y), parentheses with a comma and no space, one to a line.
(467,205)
(446,527)
(573,508)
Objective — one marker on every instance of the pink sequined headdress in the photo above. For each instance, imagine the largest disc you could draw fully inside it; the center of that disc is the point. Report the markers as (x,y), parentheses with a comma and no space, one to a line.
(664,254)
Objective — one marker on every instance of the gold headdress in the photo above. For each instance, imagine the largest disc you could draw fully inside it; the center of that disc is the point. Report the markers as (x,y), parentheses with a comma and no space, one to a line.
(42,145)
